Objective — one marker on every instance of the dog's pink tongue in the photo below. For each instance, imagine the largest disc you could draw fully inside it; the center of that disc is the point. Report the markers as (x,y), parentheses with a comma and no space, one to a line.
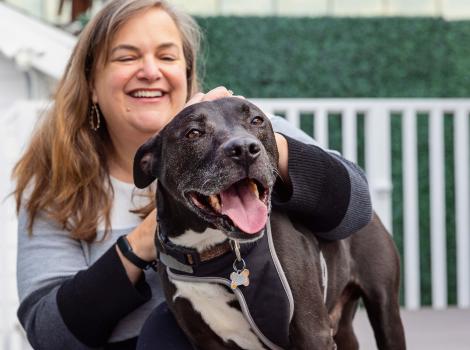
(245,209)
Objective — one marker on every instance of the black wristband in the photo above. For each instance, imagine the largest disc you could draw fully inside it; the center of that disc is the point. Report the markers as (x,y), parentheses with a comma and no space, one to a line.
(126,250)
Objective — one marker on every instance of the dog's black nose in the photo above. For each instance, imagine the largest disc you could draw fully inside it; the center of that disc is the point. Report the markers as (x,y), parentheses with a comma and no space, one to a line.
(243,150)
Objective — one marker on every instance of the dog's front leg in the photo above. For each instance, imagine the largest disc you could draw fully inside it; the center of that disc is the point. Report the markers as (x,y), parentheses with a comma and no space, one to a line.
(311,329)
(310,326)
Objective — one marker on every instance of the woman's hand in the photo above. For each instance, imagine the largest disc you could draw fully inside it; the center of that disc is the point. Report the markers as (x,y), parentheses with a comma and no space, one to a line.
(142,241)
(283,151)
(214,94)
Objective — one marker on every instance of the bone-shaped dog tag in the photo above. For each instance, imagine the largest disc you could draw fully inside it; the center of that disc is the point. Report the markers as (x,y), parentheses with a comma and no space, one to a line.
(239,278)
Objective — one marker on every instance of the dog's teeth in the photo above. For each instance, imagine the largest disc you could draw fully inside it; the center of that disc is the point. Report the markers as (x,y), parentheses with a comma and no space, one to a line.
(214,202)
(253,188)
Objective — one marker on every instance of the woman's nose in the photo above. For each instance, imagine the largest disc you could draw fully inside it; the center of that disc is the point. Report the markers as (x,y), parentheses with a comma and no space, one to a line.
(150,70)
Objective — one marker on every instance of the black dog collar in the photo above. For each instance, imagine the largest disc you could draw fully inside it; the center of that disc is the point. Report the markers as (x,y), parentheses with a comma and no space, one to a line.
(190,261)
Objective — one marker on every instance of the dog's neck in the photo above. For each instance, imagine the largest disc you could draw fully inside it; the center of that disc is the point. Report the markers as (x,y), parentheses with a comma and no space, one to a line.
(201,241)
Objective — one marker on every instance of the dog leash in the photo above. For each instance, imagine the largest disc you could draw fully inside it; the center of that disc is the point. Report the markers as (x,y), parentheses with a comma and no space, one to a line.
(324,282)
(324,276)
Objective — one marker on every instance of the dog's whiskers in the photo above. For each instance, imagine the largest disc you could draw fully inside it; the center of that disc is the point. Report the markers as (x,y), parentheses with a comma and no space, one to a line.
(275,171)
(204,185)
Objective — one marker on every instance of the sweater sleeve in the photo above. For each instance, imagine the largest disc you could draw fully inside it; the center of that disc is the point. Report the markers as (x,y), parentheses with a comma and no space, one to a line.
(64,303)
(328,193)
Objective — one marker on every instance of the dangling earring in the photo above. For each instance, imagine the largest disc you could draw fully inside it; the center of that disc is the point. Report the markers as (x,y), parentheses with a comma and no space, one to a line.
(94,117)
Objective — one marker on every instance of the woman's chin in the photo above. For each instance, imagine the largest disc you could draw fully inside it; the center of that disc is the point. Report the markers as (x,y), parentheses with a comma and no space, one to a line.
(151,123)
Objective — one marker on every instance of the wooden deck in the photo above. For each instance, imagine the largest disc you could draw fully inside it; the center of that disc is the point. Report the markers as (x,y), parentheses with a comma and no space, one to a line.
(424,329)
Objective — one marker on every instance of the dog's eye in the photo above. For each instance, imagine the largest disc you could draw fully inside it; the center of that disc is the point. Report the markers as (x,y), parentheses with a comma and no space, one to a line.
(193,134)
(257,121)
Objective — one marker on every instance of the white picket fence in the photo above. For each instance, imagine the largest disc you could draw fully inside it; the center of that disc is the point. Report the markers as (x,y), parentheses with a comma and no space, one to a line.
(377,114)
(17,122)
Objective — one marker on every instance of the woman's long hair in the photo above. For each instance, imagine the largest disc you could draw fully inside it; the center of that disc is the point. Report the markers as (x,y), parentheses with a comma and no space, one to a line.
(64,170)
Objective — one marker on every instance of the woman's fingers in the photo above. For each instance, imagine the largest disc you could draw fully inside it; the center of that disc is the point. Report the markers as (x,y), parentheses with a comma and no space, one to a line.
(216,93)
(196,98)
(211,95)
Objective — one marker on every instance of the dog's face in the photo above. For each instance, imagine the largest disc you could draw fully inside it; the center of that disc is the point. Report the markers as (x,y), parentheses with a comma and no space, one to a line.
(219,159)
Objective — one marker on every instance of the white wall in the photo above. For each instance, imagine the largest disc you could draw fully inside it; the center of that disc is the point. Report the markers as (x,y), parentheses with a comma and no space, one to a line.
(13,83)
(16,124)
(450,9)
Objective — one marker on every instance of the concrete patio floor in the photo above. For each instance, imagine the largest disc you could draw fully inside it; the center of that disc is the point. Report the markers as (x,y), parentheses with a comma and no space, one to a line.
(424,329)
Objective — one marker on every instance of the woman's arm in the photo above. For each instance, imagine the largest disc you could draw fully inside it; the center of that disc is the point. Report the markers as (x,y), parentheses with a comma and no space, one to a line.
(326,192)
(64,303)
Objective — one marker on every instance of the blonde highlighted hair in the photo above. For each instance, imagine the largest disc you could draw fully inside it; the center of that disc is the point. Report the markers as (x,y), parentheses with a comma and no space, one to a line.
(63,172)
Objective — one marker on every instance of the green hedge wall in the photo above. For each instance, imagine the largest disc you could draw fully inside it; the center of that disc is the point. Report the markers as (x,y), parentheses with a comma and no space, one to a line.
(338,57)
(353,57)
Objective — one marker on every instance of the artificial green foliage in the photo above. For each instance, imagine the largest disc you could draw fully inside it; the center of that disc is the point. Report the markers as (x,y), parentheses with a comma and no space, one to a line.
(337,57)
(450,209)
(458,39)
(397,193)
(424,208)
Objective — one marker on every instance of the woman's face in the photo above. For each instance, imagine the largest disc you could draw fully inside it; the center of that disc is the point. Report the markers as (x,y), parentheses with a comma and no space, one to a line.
(143,84)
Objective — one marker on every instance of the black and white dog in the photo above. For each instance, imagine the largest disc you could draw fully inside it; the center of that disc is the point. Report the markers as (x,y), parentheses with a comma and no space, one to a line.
(236,274)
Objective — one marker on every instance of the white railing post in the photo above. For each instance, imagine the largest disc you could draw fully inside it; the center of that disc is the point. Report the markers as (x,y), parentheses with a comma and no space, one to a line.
(293,116)
(349,134)
(462,205)
(437,206)
(321,127)
(378,163)
(410,211)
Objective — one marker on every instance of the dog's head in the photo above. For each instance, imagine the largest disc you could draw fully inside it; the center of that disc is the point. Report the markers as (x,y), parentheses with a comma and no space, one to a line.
(219,160)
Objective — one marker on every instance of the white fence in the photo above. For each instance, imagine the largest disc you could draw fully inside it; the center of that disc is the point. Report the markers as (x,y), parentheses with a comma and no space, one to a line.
(17,122)
(377,114)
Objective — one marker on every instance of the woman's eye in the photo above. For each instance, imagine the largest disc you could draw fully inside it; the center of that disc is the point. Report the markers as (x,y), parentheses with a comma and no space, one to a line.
(257,121)
(168,58)
(193,134)
(125,59)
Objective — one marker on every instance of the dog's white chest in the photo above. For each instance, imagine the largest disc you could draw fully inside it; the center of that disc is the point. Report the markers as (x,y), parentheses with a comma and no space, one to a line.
(212,302)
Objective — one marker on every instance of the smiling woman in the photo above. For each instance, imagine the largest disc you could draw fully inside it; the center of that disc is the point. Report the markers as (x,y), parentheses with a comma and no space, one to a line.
(133,69)
(141,84)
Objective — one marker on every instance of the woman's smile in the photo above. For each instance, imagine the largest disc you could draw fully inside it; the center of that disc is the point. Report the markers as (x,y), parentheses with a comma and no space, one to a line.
(143,84)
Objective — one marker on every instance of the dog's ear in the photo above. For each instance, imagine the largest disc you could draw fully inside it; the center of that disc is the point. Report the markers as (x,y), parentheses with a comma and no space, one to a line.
(146,167)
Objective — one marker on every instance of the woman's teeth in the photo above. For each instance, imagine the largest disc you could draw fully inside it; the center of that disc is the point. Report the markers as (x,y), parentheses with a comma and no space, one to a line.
(147,94)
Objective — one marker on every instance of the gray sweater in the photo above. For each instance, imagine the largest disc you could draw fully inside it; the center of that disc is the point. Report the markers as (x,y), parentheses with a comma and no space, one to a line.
(76,295)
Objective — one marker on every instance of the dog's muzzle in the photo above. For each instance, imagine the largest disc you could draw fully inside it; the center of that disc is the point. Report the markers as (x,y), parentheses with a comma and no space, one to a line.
(244,204)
